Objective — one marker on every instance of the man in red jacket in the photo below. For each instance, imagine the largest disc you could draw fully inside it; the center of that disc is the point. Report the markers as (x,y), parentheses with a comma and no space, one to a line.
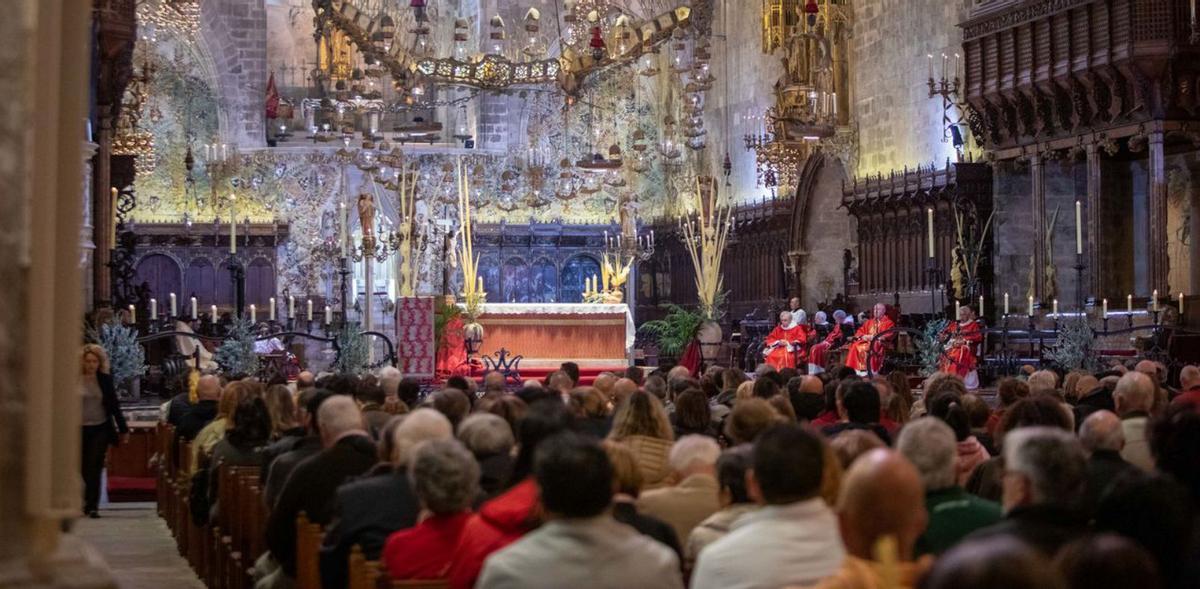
(962,340)
(870,340)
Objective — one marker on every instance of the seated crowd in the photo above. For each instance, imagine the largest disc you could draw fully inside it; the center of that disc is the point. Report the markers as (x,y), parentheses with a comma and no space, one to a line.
(719,480)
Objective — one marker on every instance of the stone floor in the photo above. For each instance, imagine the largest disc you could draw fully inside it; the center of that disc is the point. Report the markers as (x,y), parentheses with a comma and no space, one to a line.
(138,547)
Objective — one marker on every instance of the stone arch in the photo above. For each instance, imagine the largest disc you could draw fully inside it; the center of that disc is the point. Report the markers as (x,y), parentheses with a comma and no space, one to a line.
(233,38)
(820,231)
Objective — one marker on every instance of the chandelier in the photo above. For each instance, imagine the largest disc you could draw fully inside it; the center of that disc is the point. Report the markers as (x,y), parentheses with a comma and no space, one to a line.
(129,137)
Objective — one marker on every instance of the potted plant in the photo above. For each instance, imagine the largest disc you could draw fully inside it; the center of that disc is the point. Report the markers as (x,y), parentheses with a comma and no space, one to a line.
(705,238)
(675,331)
(127,359)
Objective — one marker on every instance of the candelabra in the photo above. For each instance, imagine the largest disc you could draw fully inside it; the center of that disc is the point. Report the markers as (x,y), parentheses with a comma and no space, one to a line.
(222,162)
(948,89)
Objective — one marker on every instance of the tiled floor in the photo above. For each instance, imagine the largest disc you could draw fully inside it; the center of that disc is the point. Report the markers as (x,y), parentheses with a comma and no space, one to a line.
(138,548)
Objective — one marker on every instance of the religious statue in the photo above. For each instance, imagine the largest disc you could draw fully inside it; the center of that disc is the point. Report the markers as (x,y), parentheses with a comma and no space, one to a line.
(366,213)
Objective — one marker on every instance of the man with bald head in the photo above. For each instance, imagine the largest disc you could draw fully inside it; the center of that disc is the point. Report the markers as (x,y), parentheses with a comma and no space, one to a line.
(493,383)
(193,417)
(622,390)
(1103,439)
(1133,398)
(1158,375)
(1189,381)
(881,497)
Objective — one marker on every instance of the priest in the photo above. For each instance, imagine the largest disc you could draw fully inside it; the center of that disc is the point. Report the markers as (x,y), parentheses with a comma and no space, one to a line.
(785,344)
(961,340)
(871,340)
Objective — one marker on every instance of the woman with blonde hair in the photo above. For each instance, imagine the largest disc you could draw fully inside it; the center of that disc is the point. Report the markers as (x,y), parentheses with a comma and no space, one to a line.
(641,423)
(231,395)
(103,422)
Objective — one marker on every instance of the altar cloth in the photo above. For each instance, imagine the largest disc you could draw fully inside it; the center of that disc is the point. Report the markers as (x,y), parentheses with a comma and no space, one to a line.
(550,333)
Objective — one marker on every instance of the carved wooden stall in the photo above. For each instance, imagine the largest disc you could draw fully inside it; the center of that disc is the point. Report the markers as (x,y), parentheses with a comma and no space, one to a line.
(1110,84)
(891,211)
(545,263)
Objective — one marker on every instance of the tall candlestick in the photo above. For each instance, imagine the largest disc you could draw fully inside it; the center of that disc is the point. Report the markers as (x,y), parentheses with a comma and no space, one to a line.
(1006,304)
(291,307)
(981,306)
(1154,298)
(153,309)
(1078,228)
(213,311)
(1031,306)
(310,309)
(193,308)
(1129,303)
(1104,308)
(1056,307)
(253,314)
(929,223)
(173,310)
(328,315)
(271,311)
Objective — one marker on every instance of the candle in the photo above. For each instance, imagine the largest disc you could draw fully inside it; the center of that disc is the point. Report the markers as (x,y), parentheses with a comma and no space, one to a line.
(342,227)
(981,305)
(310,309)
(271,312)
(480,284)
(930,225)
(232,231)
(253,314)
(132,314)
(213,314)
(173,311)
(328,315)
(944,66)
(594,282)
(193,308)
(651,237)
(1056,307)
(1181,305)
(1078,228)
(153,309)
(929,56)
(956,66)
(1005,304)
(291,307)
(957,308)
(1154,298)
(1031,306)
(1129,303)
(1104,308)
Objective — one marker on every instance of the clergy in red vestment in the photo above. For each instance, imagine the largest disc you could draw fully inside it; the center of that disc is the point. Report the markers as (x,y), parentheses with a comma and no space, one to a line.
(833,340)
(870,335)
(961,339)
(785,343)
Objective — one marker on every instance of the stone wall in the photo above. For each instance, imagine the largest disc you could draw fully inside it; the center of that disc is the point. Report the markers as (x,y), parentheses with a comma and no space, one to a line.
(828,230)
(898,124)
(234,35)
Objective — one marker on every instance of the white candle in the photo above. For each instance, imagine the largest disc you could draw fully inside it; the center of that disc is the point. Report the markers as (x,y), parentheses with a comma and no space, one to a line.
(1006,303)
(1078,228)
(930,225)
(480,286)
(153,309)
(1129,303)
(132,314)
(1104,308)
(981,306)
(1031,306)
(253,314)
(213,311)
(310,309)
(193,308)
(328,315)
(1181,306)
(957,309)
(271,311)
(342,226)
(174,312)
(291,307)
(929,56)
(1056,307)
(1154,297)
(651,237)
(232,232)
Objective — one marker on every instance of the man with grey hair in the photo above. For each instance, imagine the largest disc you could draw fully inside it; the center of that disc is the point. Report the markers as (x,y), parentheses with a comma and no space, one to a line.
(348,452)
(490,439)
(494,383)
(1133,399)
(1043,382)
(369,510)
(445,477)
(694,496)
(1189,382)
(389,379)
(1045,475)
(929,444)
(1103,439)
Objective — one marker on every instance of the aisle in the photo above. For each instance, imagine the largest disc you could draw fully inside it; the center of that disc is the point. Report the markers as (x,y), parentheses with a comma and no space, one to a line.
(138,548)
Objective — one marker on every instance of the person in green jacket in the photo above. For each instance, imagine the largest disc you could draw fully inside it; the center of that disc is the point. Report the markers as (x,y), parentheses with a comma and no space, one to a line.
(953,513)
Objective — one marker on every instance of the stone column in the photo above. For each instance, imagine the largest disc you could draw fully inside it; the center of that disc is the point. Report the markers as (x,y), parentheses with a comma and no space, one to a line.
(102,220)
(1194,245)
(87,247)
(1037,174)
(1157,251)
(1095,231)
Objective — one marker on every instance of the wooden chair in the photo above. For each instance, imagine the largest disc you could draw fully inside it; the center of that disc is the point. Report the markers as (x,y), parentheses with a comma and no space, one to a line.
(308,548)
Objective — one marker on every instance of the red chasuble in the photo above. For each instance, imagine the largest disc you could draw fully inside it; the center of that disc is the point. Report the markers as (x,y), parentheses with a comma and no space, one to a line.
(856,355)
(785,345)
(961,338)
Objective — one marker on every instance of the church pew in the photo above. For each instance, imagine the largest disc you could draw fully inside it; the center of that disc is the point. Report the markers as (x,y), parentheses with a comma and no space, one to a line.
(368,574)
(182,515)
(308,548)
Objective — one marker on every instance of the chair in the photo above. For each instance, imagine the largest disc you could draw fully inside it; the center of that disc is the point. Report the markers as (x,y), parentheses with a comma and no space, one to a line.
(308,547)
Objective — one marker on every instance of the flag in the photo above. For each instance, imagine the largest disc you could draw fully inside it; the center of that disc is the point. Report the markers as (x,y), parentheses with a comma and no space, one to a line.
(272,98)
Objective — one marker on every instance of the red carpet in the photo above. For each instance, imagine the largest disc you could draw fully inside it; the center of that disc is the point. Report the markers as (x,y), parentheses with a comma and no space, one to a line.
(587,374)
(130,489)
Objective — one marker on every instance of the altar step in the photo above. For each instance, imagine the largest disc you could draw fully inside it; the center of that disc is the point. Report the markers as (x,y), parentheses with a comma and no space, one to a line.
(587,372)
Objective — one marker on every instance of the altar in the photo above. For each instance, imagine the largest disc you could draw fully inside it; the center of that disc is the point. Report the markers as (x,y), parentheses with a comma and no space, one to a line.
(547,334)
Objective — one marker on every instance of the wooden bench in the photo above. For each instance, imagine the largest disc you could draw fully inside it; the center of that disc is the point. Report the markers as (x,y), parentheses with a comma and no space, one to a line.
(369,574)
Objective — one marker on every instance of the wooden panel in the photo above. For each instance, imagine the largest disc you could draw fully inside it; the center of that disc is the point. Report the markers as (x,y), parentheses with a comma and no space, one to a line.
(131,459)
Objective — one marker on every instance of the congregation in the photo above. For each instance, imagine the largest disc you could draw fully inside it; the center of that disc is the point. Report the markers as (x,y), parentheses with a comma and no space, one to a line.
(717,480)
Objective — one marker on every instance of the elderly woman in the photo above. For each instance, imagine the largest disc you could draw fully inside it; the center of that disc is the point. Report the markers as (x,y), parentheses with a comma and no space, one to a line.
(102,421)
(641,424)
(490,440)
(445,478)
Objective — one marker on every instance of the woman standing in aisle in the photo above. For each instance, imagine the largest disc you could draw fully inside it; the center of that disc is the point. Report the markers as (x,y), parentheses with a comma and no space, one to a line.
(102,422)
